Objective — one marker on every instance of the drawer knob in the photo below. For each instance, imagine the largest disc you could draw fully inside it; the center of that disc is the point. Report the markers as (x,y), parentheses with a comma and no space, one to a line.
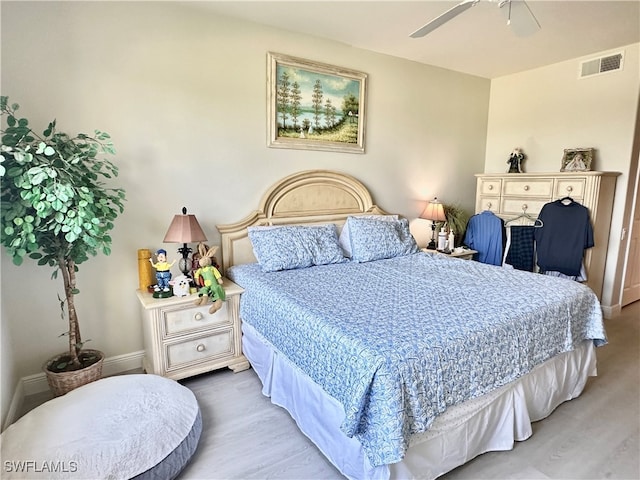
(526,188)
(198,316)
(524,207)
(569,189)
(490,187)
(489,205)
(201,348)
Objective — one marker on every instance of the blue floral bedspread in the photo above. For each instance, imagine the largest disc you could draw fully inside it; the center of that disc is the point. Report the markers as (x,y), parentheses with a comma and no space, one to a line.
(397,341)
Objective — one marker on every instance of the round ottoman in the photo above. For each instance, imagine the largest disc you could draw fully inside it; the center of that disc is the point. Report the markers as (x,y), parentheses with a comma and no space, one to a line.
(122,427)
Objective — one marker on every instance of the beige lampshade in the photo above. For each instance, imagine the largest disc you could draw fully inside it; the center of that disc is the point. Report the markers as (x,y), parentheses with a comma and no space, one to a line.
(184,229)
(434,211)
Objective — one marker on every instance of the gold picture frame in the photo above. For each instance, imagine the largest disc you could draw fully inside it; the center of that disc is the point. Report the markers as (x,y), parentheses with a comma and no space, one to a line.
(577,159)
(315,106)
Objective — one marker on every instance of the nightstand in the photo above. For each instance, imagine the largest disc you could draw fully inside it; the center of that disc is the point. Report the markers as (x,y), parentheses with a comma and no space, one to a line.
(466,254)
(182,339)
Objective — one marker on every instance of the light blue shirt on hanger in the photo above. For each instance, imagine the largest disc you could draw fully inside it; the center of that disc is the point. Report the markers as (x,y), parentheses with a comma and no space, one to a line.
(485,233)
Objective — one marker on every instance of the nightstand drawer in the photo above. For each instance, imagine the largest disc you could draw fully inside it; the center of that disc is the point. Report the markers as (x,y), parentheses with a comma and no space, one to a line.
(190,318)
(202,349)
(530,187)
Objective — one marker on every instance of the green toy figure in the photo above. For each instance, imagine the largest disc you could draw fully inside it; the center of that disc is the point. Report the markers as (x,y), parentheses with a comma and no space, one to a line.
(210,276)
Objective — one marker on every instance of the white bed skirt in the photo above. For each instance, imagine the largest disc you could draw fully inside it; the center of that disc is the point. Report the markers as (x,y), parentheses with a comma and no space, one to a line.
(490,423)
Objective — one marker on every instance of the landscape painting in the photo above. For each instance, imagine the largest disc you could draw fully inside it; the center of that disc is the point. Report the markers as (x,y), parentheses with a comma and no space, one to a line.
(314,106)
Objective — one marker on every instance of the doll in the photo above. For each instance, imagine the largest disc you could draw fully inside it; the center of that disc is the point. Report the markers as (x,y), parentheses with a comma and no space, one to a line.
(163,270)
(515,161)
(212,280)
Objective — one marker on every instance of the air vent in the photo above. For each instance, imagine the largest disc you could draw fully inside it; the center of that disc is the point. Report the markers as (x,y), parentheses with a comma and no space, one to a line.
(597,66)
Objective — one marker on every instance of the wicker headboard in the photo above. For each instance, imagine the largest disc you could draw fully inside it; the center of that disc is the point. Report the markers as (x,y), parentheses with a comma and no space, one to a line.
(309,197)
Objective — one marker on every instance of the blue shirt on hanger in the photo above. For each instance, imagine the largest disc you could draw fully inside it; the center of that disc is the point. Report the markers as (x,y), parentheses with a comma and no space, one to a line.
(485,233)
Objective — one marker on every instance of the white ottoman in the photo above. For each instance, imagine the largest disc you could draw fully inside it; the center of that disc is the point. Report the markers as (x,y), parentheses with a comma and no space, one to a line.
(122,427)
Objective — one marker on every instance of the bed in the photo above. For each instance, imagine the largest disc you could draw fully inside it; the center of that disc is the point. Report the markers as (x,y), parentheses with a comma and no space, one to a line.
(398,363)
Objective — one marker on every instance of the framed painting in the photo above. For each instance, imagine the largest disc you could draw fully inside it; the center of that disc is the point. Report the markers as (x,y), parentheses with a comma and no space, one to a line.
(314,106)
(577,159)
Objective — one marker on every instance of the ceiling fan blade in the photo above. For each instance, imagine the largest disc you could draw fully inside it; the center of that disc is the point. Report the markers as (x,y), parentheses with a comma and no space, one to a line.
(519,17)
(444,18)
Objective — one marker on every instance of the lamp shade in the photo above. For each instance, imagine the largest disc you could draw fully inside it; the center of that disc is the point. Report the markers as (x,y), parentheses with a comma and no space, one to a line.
(184,229)
(434,211)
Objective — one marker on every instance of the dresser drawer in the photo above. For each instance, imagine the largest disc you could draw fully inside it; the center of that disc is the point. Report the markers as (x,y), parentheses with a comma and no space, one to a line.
(516,206)
(488,203)
(489,186)
(570,187)
(190,318)
(201,349)
(528,187)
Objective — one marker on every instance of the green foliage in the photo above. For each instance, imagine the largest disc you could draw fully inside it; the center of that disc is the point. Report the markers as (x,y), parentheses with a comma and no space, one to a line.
(54,206)
(54,202)
(457,220)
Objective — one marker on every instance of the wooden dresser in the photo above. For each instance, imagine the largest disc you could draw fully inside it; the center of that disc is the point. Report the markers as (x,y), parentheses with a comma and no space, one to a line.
(182,339)
(509,195)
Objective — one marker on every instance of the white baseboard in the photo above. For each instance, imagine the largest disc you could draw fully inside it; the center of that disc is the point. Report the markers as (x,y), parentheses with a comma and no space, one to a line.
(611,311)
(37,383)
(15,407)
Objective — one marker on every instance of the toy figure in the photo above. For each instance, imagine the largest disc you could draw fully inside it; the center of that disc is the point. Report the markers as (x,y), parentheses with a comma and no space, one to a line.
(195,263)
(180,285)
(212,280)
(515,161)
(163,271)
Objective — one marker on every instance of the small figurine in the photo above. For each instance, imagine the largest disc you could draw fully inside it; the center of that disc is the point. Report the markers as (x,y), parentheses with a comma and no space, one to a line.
(515,161)
(211,278)
(163,271)
(180,285)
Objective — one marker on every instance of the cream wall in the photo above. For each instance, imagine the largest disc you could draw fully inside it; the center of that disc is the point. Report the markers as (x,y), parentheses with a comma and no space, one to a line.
(7,366)
(548,109)
(183,95)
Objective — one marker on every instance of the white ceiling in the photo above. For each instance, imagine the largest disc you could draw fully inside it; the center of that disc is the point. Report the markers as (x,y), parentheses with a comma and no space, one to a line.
(476,42)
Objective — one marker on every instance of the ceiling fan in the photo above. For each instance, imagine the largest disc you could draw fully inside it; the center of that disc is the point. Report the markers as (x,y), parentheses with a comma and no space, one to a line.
(517,13)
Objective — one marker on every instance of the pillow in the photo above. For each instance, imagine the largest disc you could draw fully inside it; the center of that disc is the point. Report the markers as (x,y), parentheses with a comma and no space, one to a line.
(294,246)
(375,239)
(345,235)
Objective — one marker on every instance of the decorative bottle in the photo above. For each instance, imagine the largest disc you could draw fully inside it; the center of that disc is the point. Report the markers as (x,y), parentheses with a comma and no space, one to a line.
(442,239)
(451,244)
(145,270)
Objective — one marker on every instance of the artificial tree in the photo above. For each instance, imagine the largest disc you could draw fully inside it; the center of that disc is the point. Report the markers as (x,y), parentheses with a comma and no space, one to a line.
(55,207)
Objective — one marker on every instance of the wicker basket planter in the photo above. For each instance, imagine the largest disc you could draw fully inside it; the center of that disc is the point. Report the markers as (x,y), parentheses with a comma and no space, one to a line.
(63,382)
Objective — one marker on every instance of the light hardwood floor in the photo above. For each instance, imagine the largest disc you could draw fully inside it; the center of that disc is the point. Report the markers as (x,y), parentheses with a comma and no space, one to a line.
(595,436)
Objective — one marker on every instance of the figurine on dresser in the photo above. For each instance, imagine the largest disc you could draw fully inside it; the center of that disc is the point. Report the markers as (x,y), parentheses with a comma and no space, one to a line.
(181,285)
(163,274)
(515,161)
(210,279)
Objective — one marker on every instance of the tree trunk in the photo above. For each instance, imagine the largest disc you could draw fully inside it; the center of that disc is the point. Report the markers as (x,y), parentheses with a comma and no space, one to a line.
(67,266)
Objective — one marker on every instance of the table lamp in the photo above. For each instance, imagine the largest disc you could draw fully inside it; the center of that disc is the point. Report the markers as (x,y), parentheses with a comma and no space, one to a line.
(184,229)
(434,211)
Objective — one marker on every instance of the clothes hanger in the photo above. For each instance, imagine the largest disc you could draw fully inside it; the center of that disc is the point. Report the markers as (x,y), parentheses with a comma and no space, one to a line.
(566,200)
(536,221)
